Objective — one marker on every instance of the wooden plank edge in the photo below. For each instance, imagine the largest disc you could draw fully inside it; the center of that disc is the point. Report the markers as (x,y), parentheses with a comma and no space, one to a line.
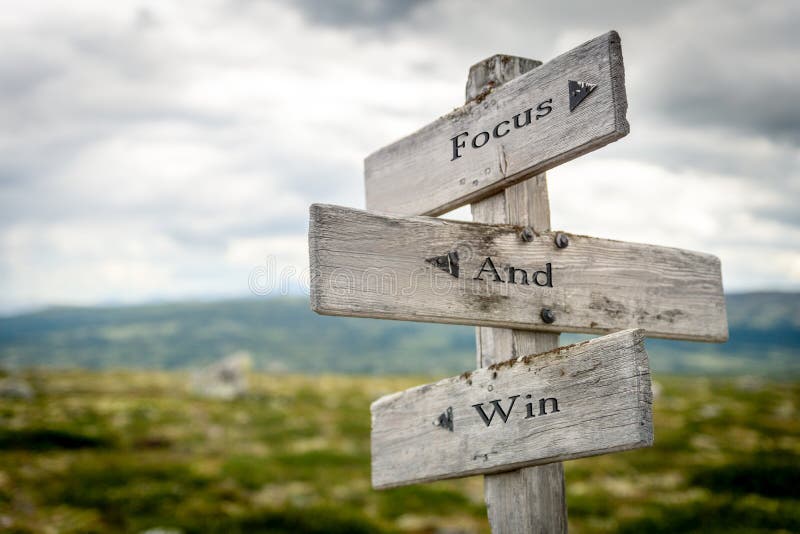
(313,259)
(644,389)
(318,306)
(619,95)
(635,333)
(515,466)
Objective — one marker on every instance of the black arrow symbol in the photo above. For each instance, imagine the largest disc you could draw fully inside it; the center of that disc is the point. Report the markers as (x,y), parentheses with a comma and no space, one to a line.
(445,420)
(448,263)
(578,91)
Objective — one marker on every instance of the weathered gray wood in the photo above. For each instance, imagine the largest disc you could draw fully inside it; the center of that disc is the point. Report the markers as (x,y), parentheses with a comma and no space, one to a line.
(531,499)
(582,400)
(522,204)
(369,265)
(418,175)
(492,72)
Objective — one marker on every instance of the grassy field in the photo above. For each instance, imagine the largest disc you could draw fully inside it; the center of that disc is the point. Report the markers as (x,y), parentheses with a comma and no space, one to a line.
(131,451)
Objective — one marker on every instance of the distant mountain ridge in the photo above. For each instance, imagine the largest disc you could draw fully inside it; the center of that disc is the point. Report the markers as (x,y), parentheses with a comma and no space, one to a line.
(283,334)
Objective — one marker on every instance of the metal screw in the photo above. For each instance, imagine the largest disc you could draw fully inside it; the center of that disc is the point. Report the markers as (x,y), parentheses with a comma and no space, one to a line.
(527,234)
(562,241)
(548,316)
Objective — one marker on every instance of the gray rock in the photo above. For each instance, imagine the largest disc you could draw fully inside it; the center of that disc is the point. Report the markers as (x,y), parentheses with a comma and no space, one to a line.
(225,379)
(15,388)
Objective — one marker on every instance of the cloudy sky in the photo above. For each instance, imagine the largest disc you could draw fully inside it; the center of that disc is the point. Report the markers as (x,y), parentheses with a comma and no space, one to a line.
(169,150)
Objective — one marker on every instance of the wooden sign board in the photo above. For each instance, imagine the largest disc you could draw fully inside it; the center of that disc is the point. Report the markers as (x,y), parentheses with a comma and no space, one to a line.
(570,106)
(434,270)
(581,400)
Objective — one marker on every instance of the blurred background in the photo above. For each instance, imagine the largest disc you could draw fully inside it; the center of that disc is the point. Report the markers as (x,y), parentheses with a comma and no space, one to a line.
(160,369)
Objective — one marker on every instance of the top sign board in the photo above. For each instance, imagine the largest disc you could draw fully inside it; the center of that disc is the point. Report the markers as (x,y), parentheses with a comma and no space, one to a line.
(570,106)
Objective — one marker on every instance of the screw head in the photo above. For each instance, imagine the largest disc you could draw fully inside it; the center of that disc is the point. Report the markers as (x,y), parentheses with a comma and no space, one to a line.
(562,241)
(548,316)
(527,234)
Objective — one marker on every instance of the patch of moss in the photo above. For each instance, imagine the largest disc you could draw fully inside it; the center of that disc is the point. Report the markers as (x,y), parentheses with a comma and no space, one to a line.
(316,520)
(49,439)
(719,516)
(428,499)
(771,475)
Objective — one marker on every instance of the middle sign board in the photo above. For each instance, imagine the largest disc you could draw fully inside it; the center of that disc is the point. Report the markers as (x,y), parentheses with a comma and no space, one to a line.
(435,270)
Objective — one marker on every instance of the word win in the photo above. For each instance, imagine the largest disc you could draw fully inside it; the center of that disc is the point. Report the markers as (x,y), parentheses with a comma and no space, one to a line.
(497,408)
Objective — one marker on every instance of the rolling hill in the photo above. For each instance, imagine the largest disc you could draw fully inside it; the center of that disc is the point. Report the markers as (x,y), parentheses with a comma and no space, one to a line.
(283,334)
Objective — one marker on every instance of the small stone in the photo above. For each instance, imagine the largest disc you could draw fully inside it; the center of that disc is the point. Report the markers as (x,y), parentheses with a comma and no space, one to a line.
(15,388)
(225,379)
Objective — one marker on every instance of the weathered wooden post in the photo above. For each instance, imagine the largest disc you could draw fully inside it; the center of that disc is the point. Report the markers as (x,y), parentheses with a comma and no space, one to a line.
(532,499)
(520,414)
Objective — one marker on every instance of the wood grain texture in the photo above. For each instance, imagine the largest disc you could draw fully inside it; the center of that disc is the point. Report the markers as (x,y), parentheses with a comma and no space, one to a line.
(492,72)
(417,175)
(368,265)
(522,204)
(531,499)
(602,404)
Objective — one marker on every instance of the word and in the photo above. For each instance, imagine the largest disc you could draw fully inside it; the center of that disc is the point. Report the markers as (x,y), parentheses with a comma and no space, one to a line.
(504,414)
(447,263)
(501,129)
(540,278)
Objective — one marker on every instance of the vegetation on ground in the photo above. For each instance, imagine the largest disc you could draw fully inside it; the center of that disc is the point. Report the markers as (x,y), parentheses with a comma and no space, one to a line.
(131,451)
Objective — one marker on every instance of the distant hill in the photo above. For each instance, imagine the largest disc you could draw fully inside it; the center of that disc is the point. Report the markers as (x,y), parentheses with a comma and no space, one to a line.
(285,335)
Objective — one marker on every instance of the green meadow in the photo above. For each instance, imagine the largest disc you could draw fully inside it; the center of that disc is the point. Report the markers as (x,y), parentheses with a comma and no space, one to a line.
(131,451)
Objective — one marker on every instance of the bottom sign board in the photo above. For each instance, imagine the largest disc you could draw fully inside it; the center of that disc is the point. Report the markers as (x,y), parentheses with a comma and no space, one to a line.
(580,400)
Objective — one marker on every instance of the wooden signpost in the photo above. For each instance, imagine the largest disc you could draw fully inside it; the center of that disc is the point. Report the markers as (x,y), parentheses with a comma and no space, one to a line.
(528,406)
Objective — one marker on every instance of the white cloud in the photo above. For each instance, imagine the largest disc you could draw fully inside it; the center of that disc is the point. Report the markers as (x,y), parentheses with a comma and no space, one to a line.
(164,149)
(696,210)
